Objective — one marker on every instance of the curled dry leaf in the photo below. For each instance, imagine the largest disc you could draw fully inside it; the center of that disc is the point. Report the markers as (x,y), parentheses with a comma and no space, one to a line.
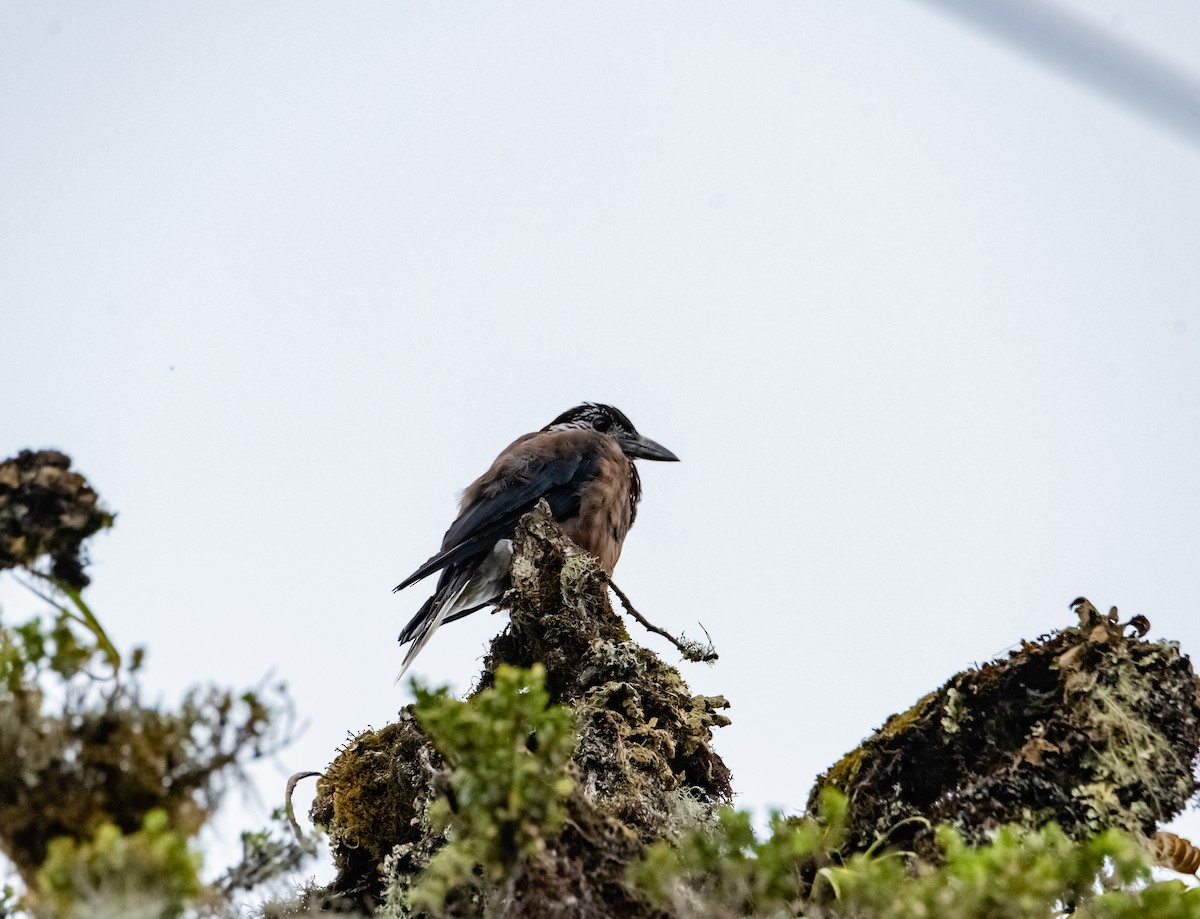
(1176,853)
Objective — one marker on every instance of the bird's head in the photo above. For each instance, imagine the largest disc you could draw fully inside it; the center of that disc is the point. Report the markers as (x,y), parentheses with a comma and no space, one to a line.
(605,419)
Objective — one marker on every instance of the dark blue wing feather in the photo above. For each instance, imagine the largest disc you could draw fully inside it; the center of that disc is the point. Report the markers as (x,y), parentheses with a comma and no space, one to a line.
(495,516)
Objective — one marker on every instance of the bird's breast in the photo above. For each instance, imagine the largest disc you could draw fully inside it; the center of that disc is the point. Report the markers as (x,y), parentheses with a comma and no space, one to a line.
(605,509)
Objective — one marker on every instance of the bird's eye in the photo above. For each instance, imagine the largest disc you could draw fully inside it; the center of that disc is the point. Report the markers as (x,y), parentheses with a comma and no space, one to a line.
(602,424)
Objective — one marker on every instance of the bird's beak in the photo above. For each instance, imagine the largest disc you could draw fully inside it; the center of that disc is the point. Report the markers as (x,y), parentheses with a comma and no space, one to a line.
(645,448)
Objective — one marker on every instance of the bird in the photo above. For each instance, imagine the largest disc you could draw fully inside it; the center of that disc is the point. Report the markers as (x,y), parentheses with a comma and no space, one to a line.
(581,463)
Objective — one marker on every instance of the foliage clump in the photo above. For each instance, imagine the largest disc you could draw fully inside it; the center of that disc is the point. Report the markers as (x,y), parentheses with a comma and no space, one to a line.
(91,753)
(521,839)
(724,869)
(797,870)
(151,873)
(506,753)
(100,792)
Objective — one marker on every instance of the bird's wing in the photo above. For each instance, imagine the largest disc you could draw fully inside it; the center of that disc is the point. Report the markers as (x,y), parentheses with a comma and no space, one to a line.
(493,515)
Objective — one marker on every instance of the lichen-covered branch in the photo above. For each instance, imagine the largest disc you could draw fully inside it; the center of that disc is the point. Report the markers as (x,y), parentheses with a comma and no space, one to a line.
(1091,727)
(699,652)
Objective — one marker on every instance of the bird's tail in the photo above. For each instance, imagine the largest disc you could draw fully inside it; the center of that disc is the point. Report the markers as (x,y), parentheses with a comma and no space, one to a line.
(431,615)
(461,590)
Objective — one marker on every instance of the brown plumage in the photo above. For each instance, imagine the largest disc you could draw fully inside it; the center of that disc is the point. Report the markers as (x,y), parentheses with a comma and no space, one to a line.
(608,499)
(581,464)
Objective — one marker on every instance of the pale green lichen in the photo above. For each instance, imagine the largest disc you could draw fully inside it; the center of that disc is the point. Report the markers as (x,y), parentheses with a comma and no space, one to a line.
(954,711)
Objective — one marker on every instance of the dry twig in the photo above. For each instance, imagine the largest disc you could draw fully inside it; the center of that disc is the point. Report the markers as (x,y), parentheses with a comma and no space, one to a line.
(698,652)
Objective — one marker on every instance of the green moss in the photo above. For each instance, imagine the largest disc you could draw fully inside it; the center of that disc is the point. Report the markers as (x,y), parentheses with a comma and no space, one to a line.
(372,802)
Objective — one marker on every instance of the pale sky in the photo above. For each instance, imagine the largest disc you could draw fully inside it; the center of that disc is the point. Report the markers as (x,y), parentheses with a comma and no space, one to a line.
(920,316)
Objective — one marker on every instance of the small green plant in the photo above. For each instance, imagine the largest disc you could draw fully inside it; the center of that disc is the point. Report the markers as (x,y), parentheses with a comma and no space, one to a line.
(151,873)
(508,753)
(726,871)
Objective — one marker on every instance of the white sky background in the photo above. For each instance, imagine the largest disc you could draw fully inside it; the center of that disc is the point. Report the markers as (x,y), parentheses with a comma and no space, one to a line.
(919,315)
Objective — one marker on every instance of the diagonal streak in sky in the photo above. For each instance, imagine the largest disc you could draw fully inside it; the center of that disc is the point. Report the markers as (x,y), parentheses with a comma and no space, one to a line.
(1117,69)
